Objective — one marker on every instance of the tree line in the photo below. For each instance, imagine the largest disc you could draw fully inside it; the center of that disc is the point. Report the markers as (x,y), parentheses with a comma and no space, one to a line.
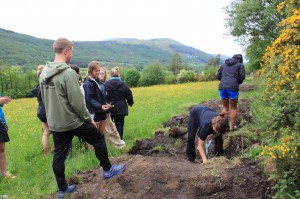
(18,82)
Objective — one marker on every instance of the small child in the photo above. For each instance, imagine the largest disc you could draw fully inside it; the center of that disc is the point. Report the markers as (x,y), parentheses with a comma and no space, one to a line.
(4,138)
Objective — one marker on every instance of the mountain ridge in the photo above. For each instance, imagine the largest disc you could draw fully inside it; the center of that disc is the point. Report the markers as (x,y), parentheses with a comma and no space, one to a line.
(25,50)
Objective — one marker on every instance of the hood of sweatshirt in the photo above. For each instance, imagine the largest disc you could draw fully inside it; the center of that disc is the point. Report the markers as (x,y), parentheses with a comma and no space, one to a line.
(231,62)
(113,84)
(51,69)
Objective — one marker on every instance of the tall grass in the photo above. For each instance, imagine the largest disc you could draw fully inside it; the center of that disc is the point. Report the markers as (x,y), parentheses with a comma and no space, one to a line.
(153,105)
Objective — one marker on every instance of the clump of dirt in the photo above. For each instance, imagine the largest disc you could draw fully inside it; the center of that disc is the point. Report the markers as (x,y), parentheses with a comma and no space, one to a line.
(247,87)
(157,168)
(171,140)
(164,177)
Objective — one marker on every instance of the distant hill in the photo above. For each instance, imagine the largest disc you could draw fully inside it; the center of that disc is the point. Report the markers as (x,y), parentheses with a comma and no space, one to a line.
(25,50)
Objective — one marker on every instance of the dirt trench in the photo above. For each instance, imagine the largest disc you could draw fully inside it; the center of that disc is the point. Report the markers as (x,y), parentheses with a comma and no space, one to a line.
(157,168)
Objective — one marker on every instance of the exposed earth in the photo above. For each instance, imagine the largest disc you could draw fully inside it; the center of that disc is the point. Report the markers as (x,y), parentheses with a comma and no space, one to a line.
(157,168)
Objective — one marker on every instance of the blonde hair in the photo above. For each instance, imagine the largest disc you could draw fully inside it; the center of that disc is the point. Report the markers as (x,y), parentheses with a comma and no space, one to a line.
(92,66)
(39,70)
(62,43)
(220,122)
(114,72)
(103,68)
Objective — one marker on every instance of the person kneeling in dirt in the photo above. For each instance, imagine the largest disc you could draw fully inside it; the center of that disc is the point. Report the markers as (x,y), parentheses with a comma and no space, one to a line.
(209,122)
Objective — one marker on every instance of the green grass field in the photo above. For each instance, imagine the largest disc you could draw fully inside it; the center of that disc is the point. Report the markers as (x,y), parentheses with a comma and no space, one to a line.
(153,105)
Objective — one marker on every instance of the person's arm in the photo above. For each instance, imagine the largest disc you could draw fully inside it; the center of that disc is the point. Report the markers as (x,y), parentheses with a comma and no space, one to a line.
(5,100)
(75,97)
(202,150)
(241,74)
(89,92)
(214,136)
(128,95)
(219,74)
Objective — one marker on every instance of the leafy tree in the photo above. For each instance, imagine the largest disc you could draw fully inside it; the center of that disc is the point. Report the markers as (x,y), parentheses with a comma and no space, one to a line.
(17,83)
(214,62)
(175,64)
(170,78)
(254,24)
(209,74)
(132,77)
(280,116)
(152,74)
(185,76)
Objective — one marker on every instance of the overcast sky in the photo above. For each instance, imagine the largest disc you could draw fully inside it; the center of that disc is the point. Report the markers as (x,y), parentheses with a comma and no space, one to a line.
(196,23)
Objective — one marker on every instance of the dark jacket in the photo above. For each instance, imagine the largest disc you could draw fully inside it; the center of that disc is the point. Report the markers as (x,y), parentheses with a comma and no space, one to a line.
(41,112)
(231,74)
(95,95)
(119,94)
(200,117)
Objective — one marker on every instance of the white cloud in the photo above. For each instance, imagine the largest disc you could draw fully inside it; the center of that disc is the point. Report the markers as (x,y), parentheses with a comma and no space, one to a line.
(196,23)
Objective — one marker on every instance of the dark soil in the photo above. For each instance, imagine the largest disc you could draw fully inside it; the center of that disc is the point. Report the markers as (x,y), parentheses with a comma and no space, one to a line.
(157,168)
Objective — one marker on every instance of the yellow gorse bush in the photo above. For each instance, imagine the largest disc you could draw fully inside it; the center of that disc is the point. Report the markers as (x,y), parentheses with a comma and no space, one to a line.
(281,62)
(286,148)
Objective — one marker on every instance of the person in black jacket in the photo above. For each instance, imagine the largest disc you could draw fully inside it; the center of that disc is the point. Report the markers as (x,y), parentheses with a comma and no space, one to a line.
(203,122)
(231,74)
(95,94)
(119,94)
(41,114)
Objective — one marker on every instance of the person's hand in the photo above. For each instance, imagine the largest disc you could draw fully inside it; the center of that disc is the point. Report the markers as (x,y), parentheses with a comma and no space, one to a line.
(106,107)
(93,122)
(5,100)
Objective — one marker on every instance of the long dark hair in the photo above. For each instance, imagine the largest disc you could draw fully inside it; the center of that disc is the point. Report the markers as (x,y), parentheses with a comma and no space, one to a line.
(238,57)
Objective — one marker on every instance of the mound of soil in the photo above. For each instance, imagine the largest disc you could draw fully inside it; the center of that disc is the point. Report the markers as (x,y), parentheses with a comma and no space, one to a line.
(164,177)
(247,87)
(157,168)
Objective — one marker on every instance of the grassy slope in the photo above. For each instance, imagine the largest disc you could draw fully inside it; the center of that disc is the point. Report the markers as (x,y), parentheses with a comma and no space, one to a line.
(25,50)
(153,105)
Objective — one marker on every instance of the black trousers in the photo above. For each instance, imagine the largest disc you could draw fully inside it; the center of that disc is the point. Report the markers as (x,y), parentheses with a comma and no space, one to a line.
(63,140)
(119,122)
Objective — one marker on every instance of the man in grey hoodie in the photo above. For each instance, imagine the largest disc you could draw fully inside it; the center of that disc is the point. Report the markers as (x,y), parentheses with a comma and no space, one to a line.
(67,115)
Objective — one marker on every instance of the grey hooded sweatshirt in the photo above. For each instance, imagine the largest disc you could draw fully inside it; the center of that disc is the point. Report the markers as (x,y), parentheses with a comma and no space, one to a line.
(64,102)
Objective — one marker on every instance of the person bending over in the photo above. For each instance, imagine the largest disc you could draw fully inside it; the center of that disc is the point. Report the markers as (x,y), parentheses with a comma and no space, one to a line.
(204,121)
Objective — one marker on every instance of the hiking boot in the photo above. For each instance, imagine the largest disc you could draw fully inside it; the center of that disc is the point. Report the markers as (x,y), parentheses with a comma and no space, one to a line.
(70,189)
(114,170)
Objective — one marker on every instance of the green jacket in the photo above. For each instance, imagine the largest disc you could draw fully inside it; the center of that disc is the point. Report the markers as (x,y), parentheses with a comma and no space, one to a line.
(64,102)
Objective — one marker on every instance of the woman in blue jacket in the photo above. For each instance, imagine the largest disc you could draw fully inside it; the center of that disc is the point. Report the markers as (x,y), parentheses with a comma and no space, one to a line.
(95,94)
(231,74)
